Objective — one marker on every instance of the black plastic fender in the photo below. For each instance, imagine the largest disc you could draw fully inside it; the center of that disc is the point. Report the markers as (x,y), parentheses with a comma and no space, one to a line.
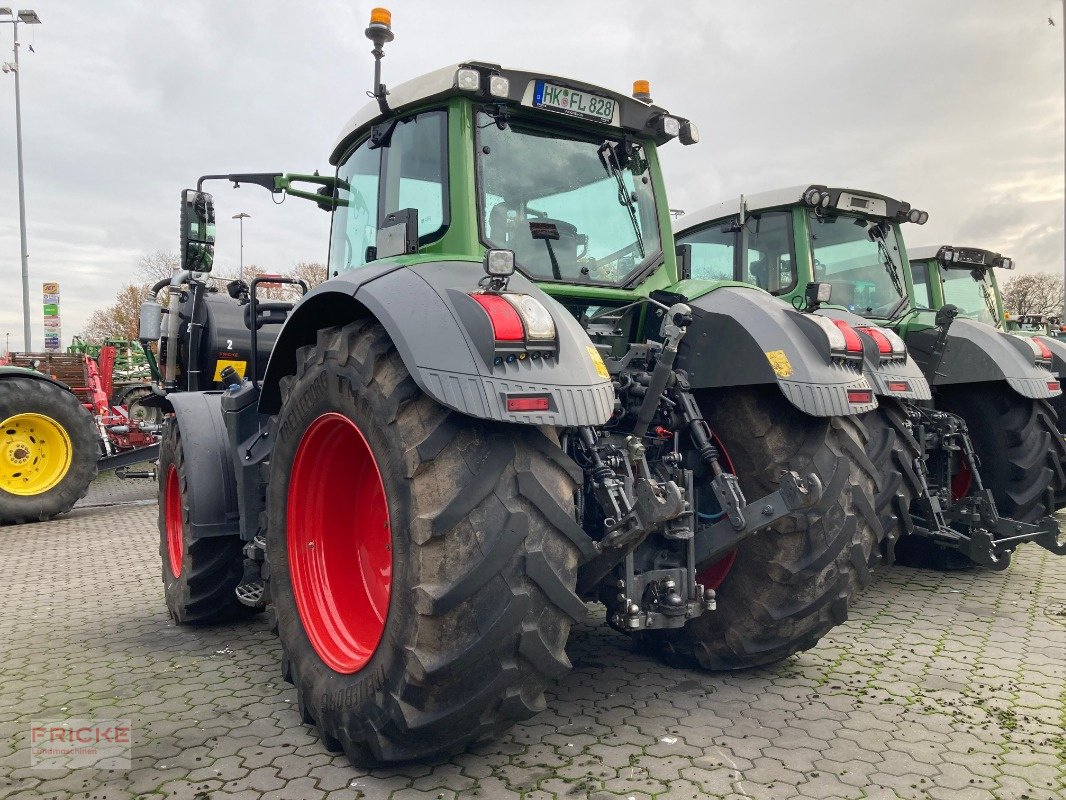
(976,353)
(445,341)
(21,372)
(742,336)
(883,375)
(212,486)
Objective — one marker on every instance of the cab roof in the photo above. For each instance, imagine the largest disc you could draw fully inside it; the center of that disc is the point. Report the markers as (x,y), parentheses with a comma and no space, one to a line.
(790,195)
(630,114)
(968,257)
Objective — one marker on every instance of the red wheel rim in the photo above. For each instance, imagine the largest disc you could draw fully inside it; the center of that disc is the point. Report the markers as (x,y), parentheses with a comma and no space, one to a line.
(961,480)
(172,509)
(339,543)
(712,575)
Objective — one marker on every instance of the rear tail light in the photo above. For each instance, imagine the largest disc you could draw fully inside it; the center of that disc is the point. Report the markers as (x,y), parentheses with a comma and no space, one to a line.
(889,345)
(517,317)
(506,323)
(899,386)
(860,396)
(838,345)
(852,342)
(1053,386)
(1040,350)
(539,403)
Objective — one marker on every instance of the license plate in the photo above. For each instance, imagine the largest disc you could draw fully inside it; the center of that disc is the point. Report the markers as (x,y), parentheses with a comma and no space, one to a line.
(573,102)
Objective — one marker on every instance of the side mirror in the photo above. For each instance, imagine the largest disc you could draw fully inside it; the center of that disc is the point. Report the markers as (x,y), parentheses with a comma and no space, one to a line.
(817,294)
(684,261)
(946,315)
(197,231)
(327,203)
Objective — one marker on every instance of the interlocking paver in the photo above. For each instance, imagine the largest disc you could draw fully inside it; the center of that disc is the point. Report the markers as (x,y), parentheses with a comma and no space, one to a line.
(939,686)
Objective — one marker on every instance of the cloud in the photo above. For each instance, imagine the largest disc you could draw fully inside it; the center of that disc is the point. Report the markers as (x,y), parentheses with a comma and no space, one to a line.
(956,107)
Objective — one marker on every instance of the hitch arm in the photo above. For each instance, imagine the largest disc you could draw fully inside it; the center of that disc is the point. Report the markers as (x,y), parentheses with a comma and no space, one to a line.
(714,541)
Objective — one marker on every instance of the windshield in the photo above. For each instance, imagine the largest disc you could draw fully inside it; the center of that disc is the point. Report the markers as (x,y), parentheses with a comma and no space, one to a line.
(971,292)
(861,260)
(574,210)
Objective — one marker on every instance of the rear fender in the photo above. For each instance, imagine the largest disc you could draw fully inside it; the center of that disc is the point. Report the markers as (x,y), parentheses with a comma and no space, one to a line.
(1058,354)
(885,376)
(742,336)
(445,341)
(212,487)
(978,353)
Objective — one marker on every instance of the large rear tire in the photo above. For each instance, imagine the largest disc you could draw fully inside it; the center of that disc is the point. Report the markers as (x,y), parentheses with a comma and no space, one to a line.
(892,448)
(457,530)
(48,450)
(1018,444)
(199,575)
(793,582)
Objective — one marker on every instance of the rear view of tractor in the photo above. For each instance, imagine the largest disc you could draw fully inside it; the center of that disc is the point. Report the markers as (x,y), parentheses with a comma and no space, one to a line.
(952,396)
(965,277)
(505,402)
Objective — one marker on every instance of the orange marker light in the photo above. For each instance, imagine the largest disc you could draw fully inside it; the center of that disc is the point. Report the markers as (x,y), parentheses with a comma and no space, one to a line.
(381,16)
(642,90)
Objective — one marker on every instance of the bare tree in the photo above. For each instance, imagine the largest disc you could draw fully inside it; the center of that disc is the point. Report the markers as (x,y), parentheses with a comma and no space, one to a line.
(1033,294)
(310,271)
(120,320)
(157,265)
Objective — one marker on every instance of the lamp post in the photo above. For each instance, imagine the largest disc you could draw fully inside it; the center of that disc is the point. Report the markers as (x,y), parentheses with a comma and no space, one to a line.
(241,218)
(29,16)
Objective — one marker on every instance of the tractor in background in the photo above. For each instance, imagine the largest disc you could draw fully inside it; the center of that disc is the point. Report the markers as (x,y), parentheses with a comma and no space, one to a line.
(955,393)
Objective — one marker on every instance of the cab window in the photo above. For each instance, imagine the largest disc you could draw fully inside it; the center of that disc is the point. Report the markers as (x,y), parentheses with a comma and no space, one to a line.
(355,215)
(768,262)
(414,171)
(713,252)
(409,170)
(923,295)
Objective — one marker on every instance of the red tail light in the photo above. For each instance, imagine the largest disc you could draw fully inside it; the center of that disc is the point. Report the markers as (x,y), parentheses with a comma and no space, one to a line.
(1053,386)
(506,324)
(860,396)
(852,342)
(882,342)
(899,386)
(1045,352)
(527,403)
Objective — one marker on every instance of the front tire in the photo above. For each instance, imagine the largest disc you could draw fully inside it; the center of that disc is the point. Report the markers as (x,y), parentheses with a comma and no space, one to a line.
(792,582)
(454,526)
(200,575)
(48,450)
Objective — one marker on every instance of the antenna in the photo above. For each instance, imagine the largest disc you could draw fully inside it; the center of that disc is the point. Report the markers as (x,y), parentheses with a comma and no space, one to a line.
(380,31)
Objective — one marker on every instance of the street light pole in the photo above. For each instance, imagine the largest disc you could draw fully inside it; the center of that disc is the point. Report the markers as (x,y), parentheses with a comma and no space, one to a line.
(240,219)
(30,17)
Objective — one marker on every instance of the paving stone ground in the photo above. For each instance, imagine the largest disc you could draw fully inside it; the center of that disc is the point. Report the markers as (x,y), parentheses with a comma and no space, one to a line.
(939,686)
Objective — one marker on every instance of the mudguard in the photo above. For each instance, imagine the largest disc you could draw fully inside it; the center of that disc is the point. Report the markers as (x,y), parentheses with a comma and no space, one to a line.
(742,335)
(885,376)
(7,371)
(977,353)
(212,486)
(445,341)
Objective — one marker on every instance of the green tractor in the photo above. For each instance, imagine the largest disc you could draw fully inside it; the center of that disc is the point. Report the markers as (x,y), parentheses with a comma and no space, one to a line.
(504,403)
(954,393)
(49,446)
(966,278)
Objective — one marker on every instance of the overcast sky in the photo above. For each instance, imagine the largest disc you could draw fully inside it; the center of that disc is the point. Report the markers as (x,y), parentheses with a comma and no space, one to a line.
(954,106)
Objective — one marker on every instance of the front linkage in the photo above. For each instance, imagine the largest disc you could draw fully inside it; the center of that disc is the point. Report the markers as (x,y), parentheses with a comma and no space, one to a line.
(640,485)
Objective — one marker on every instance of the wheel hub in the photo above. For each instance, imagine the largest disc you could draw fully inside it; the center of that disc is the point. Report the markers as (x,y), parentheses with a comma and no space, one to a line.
(37,454)
(339,543)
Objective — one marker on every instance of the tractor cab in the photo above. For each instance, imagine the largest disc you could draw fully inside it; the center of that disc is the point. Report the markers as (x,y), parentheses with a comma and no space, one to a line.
(783,240)
(962,276)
